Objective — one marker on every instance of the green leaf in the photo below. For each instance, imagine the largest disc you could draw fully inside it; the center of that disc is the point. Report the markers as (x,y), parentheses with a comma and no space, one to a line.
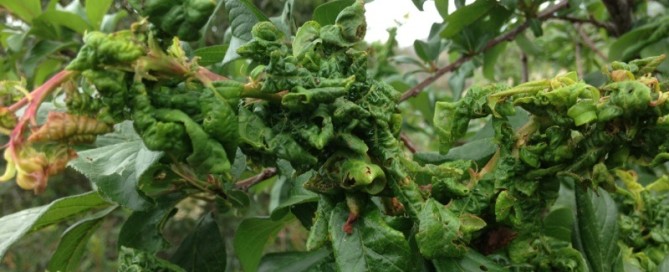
(442,7)
(252,236)
(243,15)
(465,16)
(620,47)
(372,246)
(16,225)
(296,193)
(73,243)
(527,46)
(96,10)
(63,18)
(427,51)
(418,4)
(203,249)
(490,58)
(117,165)
(473,150)
(40,52)
(596,225)
(110,21)
(231,53)
(470,262)
(327,13)
(26,10)
(311,261)
(559,223)
(46,69)
(135,260)
(211,54)
(143,229)
(664,265)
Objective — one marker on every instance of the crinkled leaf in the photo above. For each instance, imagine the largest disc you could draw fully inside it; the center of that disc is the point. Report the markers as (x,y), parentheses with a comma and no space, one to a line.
(131,259)
(372,246)
(14,226)
(203,249)
(73,242)
(310,261)
(117,165)
(327,13)
(252,236)
(596,225)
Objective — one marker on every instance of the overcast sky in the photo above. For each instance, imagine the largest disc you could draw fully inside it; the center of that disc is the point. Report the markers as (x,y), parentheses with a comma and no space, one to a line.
(412,24)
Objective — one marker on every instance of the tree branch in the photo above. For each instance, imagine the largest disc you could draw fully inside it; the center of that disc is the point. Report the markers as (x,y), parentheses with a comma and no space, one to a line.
(508,36)
(608,26)
(266,173)
(588,42)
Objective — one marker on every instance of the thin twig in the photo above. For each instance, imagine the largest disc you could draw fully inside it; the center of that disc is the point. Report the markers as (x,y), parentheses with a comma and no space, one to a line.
(266,173)
(525,70)
(579,61)
(587,41)
(508,36)
(592,21)
(408,143)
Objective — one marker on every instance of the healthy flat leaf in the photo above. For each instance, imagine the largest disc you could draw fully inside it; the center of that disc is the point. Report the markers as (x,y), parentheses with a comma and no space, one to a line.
(310,261)
(418,4)
(473,150)
(46,69)
(73,242)
(527,46)
(559,223)
(472,261)
(16,225)
(143,229)
(66,19)
(465,16)
(664,265)
(231,53)
(203,249)
(596,225)
(490,58)
(442,7)
(26,10)
(243,15)
(326,14)
(110,21)
(40,52)
(372,246)
(620,47)
(252,236)
(296,194)
(427,51)
(211,54)
(96,10)
(117,165)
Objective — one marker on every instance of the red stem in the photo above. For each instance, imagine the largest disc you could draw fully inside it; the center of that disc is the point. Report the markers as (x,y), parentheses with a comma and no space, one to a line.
(34,100)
